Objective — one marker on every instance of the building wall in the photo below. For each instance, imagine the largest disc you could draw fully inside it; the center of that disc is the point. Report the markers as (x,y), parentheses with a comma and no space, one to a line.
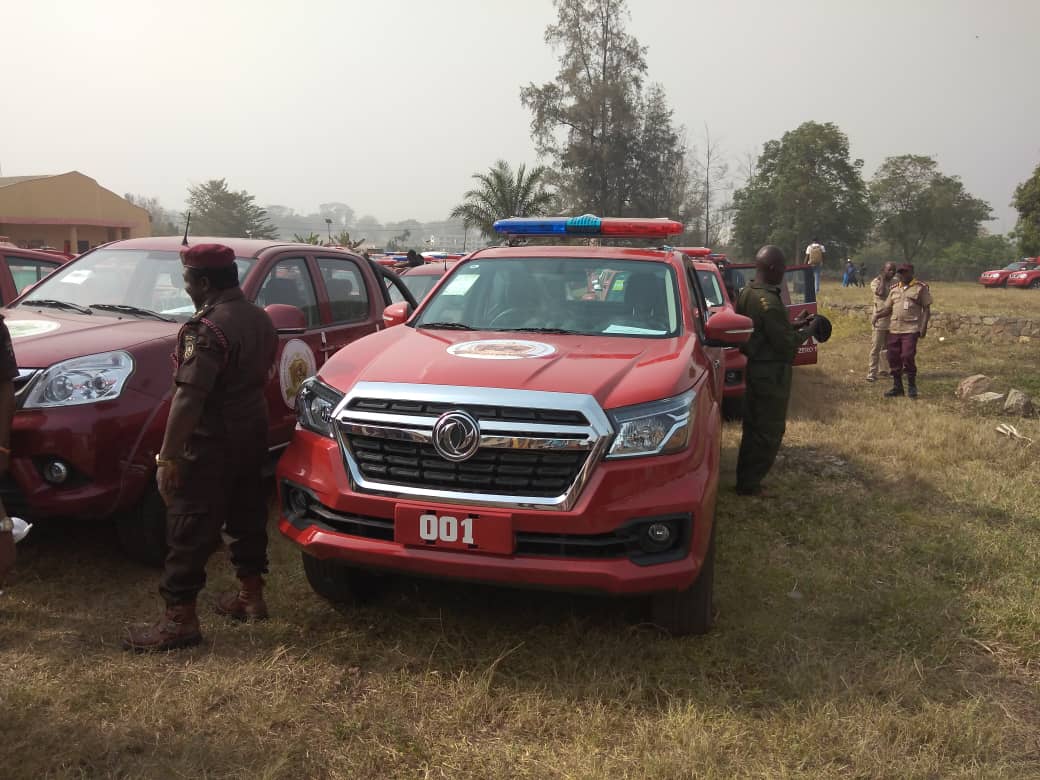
(68,211)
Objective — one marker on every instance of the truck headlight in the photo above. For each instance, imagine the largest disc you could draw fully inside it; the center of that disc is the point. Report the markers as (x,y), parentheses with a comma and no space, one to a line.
(314,406)
(82,380)
(656,428)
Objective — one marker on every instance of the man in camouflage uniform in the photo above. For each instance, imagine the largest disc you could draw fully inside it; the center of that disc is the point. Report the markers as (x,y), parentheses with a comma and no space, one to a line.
(212,456)
(879,286)
(909,305)
(770,352)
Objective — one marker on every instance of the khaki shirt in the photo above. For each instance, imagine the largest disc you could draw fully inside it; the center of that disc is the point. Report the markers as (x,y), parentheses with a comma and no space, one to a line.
(880,287)
(908,305)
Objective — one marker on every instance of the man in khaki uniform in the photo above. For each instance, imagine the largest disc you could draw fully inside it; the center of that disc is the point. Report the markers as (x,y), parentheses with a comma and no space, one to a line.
(880,286)
(909,305)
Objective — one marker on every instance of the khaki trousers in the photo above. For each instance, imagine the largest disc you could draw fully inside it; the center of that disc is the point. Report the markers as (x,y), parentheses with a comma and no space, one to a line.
(878,352)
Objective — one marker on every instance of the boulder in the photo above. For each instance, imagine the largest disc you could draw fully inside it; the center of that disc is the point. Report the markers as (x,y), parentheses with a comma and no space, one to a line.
(1018,403)
(988,400)
(973,385)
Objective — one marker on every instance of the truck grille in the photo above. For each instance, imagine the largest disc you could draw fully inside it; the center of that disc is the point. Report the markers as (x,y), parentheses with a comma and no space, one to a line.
(535,448)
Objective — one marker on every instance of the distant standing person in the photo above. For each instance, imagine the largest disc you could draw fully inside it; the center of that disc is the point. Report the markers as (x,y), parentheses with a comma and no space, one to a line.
(770,351)
(8,371)
(848,277)
(210,465)
(861,277)
(909,305)
(815,254)
(879,287)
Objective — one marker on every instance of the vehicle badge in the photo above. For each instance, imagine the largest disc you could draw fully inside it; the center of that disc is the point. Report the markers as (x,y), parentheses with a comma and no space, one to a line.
(456,435)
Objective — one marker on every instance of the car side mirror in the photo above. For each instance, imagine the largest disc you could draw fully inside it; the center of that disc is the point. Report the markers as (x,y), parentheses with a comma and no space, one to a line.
(726,328)
(397,313)
(286,319)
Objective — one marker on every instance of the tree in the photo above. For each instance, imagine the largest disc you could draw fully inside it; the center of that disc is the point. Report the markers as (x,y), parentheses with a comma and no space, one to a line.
(503,193)
(661,178)
(804,186)
(312,238)
(164,222)
(343,239)
(1027,203)
(711,209)
(916,207)
(965,260)
(341,214)
(594,102)
(218,211)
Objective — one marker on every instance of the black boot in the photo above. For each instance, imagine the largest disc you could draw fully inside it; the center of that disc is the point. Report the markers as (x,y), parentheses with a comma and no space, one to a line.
(911,386)
(897,388)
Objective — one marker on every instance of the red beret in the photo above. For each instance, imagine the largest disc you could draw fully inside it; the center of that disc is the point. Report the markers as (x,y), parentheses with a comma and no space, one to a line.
(905,267)
(204,256)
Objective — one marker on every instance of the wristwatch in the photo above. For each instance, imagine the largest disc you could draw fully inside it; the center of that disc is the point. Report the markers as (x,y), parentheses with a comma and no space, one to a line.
(6,525)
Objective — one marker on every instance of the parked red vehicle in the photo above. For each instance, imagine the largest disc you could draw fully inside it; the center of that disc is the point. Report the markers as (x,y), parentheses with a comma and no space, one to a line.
(22,268)
(1026,277)
(421,279)
(93,343)
(1001,277)
(525,428)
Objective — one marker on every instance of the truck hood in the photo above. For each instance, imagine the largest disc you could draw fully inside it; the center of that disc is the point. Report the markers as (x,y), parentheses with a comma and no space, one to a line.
(42,339)
(617,371)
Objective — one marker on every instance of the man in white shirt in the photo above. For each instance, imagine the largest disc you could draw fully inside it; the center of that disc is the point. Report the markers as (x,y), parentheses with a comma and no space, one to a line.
(814,256)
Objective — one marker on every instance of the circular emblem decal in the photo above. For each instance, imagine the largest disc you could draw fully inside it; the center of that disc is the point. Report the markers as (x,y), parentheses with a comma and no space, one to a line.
(501,349)
(456,435)
(22,328)
(296,365)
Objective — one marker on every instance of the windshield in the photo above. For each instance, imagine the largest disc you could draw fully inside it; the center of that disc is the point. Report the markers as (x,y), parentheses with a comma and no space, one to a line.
(419,285)
(140,278)
(591,296)
(1018,267)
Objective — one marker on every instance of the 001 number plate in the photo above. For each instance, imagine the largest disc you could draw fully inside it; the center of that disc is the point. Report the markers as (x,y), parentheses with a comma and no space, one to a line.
(480,532)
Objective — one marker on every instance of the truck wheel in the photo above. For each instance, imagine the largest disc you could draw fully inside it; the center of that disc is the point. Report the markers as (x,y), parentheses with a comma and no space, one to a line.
(1035,285)
(339,583)
(142,529)
(689,611)
(732,408)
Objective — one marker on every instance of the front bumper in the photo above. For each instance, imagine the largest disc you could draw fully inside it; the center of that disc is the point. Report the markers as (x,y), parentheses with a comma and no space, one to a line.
(1021,282)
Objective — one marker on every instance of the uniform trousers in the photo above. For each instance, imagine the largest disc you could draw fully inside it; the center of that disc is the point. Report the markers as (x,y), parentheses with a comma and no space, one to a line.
(902,355)
(221,491)
(765,420)
(878,352)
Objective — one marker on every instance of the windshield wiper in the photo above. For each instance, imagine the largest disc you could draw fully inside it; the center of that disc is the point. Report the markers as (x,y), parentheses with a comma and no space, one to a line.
(57,304)
(126,308)
(560,331)
(445,326)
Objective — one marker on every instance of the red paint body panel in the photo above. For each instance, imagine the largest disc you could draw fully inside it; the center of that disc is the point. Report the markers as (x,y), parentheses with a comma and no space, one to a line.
(1001,277)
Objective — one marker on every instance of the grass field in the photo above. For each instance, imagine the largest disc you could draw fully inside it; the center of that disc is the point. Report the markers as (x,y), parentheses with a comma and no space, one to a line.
(962,297)
(880,618)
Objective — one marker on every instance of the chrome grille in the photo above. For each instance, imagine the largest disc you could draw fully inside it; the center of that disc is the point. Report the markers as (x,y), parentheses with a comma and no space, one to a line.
(535,449)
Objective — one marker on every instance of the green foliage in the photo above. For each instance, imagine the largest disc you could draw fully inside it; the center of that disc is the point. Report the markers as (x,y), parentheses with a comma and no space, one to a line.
(614,150)
(965,260)
(164,222)
(501,194)
(1027,203)
(804,186)
(312,238)
(343,239)
(219,211)
(919,210)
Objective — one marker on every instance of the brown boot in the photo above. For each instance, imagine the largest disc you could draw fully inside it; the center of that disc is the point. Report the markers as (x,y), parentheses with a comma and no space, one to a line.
(178,627)
(247,603)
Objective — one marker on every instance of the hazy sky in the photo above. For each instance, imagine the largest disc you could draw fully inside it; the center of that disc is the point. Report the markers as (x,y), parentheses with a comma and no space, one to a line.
(391,105)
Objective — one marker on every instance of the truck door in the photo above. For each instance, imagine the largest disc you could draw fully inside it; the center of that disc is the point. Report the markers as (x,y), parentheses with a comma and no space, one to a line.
(353,307)
(797,291)
(288,281)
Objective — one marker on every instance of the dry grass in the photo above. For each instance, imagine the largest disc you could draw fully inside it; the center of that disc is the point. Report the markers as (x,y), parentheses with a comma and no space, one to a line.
(879,619)
(962,297)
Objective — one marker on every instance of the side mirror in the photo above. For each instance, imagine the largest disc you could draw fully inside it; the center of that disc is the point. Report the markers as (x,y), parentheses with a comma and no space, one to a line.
(726,328)
(397,313)
(286,319)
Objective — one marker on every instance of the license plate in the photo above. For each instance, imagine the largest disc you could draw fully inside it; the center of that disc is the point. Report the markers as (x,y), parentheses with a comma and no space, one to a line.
(486,532)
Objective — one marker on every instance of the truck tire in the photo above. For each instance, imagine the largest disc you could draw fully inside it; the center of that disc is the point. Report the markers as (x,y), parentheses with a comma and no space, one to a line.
(142,528)
(690,611)
(1035,285)
(340,583)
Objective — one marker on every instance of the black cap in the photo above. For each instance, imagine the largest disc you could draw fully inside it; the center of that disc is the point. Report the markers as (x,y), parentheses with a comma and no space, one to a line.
(821,328)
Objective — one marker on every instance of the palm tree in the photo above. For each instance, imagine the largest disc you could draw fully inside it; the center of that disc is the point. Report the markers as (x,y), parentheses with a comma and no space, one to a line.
(502,194)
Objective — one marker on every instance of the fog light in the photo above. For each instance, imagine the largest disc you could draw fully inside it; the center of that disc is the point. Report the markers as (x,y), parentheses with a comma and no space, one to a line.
(732,377)
(659,533)
(55,472)
(299,501)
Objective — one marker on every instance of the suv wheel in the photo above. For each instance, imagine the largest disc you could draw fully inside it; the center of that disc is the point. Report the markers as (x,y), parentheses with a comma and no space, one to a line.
(1036,284)
(339,583)
(142,528)
(689,611)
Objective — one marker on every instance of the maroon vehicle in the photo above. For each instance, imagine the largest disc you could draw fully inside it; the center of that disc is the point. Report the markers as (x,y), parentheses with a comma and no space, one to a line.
(22,268)
(93,343)
(1002,277)
(422,278)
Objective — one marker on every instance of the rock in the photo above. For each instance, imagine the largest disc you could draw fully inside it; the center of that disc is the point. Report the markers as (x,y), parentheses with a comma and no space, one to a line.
(973,385)
(1024,339)
(1018,403)
(988,400)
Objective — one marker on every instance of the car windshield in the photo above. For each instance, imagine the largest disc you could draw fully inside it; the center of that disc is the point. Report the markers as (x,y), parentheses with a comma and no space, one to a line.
(589,296)
(1018,267)
(143,279)
(418,284)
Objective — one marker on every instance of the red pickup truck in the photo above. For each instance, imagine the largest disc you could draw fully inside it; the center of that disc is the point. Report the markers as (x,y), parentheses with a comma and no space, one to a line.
(549,416)
(93,342)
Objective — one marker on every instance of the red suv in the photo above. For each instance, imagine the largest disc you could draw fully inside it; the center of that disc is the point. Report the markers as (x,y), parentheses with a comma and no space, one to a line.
(550,416)
(22,268)
(1009,275)
(93,342)
(1028,276)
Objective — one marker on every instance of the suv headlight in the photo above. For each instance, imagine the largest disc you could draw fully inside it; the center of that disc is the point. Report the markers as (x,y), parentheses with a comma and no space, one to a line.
(656,428)
(314,406)
(82,380)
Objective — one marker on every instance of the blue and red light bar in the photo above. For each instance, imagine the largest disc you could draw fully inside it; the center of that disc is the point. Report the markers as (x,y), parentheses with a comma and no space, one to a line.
(589,225)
